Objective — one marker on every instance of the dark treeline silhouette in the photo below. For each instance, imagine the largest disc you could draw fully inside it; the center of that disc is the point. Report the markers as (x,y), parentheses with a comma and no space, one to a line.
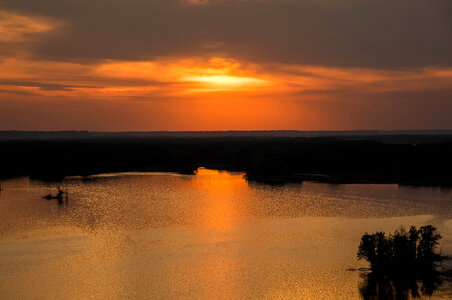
(388,137)
(403,265)
(268,159)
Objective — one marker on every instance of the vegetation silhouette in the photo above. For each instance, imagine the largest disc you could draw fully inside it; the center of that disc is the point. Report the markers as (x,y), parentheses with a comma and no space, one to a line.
(264,159)
(403,265)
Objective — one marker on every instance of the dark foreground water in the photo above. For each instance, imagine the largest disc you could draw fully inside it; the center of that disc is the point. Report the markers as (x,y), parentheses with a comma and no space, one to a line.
(207,236)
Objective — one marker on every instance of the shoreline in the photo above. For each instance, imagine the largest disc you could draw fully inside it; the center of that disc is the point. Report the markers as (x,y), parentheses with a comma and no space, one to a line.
(268,160)
(269,179)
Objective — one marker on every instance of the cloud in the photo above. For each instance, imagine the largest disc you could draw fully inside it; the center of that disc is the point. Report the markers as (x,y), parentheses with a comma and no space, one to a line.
(42,86)
(18,28)
(352,33)
(198,77)
(226,64)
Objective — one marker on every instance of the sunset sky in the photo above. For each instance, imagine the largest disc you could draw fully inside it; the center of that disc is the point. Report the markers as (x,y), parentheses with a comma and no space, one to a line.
(121,65)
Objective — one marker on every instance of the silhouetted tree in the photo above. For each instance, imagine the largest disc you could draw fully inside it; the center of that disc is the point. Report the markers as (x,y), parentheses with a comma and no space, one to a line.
(402,264)
(401,250)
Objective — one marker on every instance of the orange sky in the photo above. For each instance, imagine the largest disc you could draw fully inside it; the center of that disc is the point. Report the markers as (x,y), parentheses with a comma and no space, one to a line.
(207,87)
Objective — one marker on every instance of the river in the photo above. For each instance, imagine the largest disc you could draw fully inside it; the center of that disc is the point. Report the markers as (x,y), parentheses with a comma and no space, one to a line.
(212,235)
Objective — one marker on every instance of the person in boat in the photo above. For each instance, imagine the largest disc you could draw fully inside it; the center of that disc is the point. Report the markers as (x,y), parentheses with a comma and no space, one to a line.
(60,194)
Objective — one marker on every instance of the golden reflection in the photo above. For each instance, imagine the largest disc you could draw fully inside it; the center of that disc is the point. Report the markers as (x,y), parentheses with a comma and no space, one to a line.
(220,191)
(224,239)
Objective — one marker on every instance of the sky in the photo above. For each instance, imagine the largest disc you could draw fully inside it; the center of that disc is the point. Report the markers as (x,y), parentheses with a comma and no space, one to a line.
(142,65)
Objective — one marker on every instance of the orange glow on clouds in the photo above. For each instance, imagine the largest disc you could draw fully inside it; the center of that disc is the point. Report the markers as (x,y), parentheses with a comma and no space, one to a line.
(187,75)
(195,77)
(207,94)
(18,28)
(205,90)
(199,93)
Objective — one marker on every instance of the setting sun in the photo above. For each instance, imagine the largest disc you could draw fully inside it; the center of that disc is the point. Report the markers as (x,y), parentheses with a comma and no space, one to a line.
(226,80)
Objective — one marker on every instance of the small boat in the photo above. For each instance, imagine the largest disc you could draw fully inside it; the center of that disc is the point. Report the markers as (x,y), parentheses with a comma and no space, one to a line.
(50,197)
(58,196)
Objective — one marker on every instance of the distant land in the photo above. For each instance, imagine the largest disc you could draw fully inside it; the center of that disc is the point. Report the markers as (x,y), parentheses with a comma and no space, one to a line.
(385,136)
(275,157)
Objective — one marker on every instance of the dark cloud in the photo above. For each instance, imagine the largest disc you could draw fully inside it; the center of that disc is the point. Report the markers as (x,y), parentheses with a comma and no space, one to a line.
(43,86)
(360,33)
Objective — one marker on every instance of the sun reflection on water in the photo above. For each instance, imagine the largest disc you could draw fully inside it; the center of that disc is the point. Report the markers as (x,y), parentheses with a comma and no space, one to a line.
(209,235)
(220,191)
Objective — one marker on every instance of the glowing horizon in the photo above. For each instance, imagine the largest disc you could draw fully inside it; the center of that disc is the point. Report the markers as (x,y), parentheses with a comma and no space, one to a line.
(55,75)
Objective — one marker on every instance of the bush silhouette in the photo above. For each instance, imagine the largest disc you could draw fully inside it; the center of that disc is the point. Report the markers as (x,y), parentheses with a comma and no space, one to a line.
(403,265)
(402,251)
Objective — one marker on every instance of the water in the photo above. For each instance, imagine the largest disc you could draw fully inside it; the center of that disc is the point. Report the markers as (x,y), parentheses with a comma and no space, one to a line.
(207,236)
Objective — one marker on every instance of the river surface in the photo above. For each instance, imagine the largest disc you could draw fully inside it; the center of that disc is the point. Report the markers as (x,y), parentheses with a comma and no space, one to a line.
(212,235)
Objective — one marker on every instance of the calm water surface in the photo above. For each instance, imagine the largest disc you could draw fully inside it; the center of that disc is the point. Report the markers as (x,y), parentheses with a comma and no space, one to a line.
(207,236)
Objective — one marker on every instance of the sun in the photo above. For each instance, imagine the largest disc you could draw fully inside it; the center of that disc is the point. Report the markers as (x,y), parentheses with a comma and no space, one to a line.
(227,80)
(224,82)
